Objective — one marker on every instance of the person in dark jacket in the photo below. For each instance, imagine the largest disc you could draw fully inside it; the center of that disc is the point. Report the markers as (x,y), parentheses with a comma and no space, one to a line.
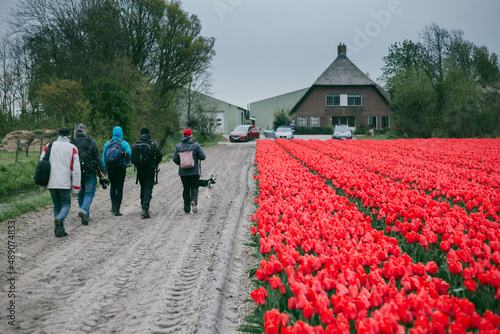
(189,177)
(116,175)
(90,159)
(145,162)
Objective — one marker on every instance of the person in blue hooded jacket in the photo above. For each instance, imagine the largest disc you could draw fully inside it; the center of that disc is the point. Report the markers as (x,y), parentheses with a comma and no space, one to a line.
(115,158)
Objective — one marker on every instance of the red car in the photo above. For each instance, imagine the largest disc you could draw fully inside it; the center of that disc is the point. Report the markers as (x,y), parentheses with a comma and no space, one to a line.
(244,133)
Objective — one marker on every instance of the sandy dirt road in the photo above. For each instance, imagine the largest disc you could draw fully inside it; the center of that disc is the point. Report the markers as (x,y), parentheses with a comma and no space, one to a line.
(173,273)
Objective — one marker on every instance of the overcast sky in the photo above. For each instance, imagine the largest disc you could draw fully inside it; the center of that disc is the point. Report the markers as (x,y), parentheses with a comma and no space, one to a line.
(266,48)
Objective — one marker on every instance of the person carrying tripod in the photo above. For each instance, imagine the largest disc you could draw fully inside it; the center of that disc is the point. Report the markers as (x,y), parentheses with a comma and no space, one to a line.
(146,155)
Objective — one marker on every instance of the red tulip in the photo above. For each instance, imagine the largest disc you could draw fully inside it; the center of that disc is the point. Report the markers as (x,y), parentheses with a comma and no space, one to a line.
(455,267)
(431,267)
(308,310)
(259,295)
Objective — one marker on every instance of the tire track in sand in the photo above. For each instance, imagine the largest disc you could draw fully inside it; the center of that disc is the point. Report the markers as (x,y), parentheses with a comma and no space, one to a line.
(168,274)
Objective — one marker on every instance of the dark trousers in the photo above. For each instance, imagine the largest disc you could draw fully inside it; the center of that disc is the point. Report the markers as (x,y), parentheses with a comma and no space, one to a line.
(146,179)
(116,179)
(190,183)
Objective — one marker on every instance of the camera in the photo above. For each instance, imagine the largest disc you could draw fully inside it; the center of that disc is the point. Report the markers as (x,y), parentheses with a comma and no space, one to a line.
(104,183)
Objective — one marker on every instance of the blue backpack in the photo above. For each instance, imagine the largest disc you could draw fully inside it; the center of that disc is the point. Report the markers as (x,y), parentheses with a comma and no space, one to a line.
(113,156)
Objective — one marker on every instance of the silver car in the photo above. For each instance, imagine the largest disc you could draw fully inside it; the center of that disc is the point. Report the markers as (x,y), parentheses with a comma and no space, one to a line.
(283,131)
(342,132)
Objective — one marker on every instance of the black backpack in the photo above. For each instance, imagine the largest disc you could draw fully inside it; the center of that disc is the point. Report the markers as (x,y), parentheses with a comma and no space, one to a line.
(113,156)
(42,171)
(142,154)
(86,159)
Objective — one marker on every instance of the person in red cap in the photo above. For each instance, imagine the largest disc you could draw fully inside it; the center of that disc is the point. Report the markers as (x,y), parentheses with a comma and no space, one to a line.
(190,177)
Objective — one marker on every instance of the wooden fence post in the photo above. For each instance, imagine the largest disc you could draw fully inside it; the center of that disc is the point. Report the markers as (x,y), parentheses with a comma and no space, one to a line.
(21,146)
(41,145)
(17,148)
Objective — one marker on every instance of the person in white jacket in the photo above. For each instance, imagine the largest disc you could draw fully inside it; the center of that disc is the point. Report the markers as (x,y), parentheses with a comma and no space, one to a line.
(64,177)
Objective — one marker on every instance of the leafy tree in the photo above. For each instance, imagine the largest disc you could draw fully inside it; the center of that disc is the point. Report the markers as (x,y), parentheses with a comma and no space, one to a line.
(402,57)
(442,86)
(205,120)
(281,117)
(488,117)
(111,103)
(182,52)
(462,102)
(414,104)
(148,49)
(141,20)
(435,42)
(487,67)
(63,102)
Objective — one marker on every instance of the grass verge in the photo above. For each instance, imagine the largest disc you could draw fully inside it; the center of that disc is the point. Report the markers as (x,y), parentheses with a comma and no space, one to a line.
(23,203)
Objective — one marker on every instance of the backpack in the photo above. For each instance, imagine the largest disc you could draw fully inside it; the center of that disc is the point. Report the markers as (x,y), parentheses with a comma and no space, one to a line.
(186,157)
(42,171)
(86,161)
(113,156)
(142,154)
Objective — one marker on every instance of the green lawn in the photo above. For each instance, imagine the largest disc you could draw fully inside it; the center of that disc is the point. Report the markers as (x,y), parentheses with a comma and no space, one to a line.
(378,137)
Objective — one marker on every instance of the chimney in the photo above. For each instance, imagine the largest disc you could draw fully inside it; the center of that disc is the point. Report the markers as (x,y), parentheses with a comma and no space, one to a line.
(342,49)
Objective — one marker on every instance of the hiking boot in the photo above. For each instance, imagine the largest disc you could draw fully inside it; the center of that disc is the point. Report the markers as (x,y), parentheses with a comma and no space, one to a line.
(83,217)
(58,228)
(64,234)
(145,215)
(117,210)
(193,207)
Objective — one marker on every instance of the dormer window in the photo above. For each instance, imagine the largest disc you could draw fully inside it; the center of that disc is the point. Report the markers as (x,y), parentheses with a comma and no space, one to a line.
(343,100)
(333,99)
(354,99)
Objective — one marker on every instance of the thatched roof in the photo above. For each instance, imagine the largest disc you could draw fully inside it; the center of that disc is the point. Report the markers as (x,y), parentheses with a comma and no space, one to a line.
(342,72)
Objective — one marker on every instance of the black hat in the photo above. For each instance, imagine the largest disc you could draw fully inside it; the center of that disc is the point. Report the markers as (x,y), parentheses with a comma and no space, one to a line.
(64,132)
(144,131)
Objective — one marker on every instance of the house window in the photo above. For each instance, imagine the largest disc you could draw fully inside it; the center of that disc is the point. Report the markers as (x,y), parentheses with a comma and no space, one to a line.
(372,121)
(314,121)
(349,120)
(332,99)
(354,99)
(385,122)
(329,99)
(302,120)
(336,100)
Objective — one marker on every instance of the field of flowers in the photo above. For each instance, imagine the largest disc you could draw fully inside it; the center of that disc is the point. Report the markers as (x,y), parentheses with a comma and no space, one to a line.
(369,236)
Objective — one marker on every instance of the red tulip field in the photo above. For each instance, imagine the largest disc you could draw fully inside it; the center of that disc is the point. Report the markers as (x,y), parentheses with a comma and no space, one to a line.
(365,236)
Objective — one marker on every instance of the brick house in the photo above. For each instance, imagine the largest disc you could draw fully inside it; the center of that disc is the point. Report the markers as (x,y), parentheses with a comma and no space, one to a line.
(343,94)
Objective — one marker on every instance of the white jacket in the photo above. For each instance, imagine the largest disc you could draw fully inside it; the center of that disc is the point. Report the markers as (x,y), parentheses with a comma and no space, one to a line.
(64,165)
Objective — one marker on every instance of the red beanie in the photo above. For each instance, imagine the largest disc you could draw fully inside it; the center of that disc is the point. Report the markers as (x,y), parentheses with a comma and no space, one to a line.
(187,133)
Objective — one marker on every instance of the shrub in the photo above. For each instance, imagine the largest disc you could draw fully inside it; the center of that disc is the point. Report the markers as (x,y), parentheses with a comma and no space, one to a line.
(318,130)
(361,130)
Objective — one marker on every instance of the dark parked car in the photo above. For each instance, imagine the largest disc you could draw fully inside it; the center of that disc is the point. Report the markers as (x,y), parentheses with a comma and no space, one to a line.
(244,133)
(342,132)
